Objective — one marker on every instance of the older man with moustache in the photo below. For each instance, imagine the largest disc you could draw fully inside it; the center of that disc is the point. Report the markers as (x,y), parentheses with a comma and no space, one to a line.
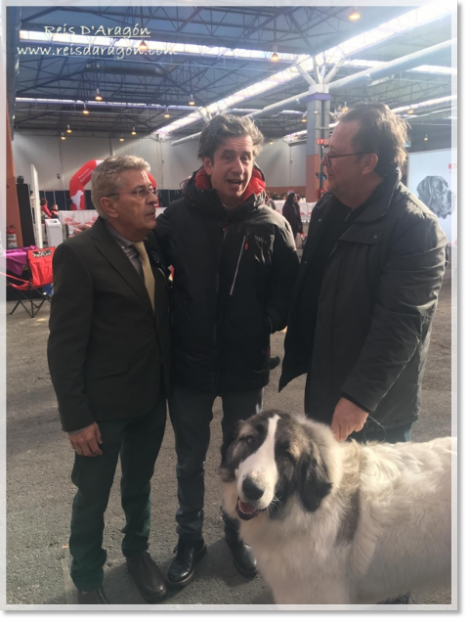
(108,355)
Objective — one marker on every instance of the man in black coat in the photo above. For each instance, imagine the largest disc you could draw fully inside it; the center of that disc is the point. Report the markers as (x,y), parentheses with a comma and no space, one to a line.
(108,355)
(367,288)
(234,263)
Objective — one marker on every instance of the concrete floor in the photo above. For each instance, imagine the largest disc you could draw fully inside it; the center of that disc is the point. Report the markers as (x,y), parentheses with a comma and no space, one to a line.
(39,491)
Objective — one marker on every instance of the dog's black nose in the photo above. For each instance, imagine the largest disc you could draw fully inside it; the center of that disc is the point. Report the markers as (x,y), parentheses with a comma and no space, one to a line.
(251,490)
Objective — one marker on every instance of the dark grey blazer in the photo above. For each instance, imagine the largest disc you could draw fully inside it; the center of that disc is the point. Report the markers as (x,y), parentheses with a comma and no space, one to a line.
(108,350)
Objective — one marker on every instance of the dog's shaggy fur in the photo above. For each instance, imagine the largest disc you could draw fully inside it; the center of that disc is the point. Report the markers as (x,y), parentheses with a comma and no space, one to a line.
(338,523)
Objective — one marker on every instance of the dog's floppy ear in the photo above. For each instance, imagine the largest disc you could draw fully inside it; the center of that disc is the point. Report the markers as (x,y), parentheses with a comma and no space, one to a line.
(313,482)
(424,190)
(228,438)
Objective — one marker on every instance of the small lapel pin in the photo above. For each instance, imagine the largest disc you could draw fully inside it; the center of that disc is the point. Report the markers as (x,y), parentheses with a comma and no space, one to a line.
(154,257)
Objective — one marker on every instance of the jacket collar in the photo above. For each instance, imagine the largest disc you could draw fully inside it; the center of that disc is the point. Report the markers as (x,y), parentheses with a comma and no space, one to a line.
(379,201)
(108,246)
(200,194)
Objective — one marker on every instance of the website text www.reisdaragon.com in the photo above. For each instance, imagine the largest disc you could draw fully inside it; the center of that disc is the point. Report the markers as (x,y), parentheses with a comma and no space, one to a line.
(88,50)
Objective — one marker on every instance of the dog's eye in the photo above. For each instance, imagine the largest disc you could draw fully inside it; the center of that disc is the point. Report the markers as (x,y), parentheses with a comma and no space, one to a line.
(249,439)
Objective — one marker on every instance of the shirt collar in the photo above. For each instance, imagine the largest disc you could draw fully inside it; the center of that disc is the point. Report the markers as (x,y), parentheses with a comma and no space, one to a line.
(123,241)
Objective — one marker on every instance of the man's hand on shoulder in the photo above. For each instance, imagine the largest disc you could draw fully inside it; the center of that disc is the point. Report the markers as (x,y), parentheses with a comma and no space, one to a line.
(79,228)
(347,417)
(87,441)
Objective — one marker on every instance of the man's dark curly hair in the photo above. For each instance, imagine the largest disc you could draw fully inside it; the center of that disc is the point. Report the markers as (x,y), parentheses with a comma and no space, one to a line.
(382,132)
(227,126)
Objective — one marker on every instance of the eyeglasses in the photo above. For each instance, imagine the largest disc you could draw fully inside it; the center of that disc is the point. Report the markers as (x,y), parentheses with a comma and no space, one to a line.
(140,193)
(327,157)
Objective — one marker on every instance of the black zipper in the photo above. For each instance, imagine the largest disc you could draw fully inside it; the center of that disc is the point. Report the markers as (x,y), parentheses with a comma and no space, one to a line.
(244,245)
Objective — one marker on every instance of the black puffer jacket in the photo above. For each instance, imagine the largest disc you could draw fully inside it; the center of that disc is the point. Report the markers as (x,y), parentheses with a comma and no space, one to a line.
(376,304)
(233,279)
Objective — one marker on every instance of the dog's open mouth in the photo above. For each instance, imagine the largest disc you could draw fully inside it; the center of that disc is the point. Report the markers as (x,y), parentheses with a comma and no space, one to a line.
(246,511)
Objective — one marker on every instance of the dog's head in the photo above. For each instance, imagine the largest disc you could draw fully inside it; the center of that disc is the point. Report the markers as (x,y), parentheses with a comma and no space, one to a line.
(434,192)
(273,456)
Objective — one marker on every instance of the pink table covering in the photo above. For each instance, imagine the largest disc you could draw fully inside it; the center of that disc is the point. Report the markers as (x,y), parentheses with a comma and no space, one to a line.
(16,259)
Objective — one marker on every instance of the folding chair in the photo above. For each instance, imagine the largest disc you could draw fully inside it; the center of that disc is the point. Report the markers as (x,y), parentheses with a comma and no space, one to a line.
(40,281)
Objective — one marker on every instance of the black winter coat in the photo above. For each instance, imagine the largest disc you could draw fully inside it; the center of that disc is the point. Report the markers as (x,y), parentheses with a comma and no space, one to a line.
(292,213)
(377,301)
(233,280)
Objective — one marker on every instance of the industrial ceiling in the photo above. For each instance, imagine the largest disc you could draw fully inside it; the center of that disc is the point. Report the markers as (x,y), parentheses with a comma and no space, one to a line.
(210,53)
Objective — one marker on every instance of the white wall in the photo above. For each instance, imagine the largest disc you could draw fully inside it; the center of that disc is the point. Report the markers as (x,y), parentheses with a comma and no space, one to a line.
(178,163)
(170,165)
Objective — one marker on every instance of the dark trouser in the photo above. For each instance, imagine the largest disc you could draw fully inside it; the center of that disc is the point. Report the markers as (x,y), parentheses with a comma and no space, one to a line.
(392,436)
(191,413)
(138,441)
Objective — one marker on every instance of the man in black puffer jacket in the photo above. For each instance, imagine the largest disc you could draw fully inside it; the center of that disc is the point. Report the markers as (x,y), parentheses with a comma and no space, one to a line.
(234,263)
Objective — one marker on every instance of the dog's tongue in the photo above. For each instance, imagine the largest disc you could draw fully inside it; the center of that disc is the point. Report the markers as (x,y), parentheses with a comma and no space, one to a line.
(246,507)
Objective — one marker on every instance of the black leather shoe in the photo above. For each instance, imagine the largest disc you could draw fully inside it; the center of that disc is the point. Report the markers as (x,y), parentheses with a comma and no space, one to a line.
(96,597)
(148,577)
(182,569)
(274,362)
(244,560)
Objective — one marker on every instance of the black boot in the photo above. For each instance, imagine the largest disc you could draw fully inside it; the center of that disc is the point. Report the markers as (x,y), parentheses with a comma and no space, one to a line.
(274,362)
(96,597)
(188,553)
(244,560)
(148,577)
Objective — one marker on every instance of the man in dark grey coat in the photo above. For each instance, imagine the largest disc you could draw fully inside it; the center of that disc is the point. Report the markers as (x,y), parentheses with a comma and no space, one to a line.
(367,287)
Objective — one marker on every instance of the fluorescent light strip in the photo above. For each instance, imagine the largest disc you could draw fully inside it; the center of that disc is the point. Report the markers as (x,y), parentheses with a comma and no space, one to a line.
(372,64)
(91,104)
(425,104)
(400,110)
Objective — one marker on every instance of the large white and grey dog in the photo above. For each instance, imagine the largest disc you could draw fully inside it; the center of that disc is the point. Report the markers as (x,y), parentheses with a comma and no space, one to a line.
(338,523)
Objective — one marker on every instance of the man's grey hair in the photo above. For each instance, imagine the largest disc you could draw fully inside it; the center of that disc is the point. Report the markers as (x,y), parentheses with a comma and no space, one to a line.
(225,126)
(105,179)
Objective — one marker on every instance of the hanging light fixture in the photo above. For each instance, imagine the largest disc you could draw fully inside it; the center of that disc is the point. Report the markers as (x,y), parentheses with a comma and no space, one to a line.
(344,109)
(354,15)
(271,142)
(275,56)
(98,96)
(133,132)
(304,118)
(121,138)
(85,110)
(166,113)
(191,101)
(143,47)
(62,136)
(69,129)
(425,137)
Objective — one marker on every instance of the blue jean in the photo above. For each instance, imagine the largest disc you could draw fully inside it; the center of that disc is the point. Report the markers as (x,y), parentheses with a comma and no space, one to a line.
(191,413)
